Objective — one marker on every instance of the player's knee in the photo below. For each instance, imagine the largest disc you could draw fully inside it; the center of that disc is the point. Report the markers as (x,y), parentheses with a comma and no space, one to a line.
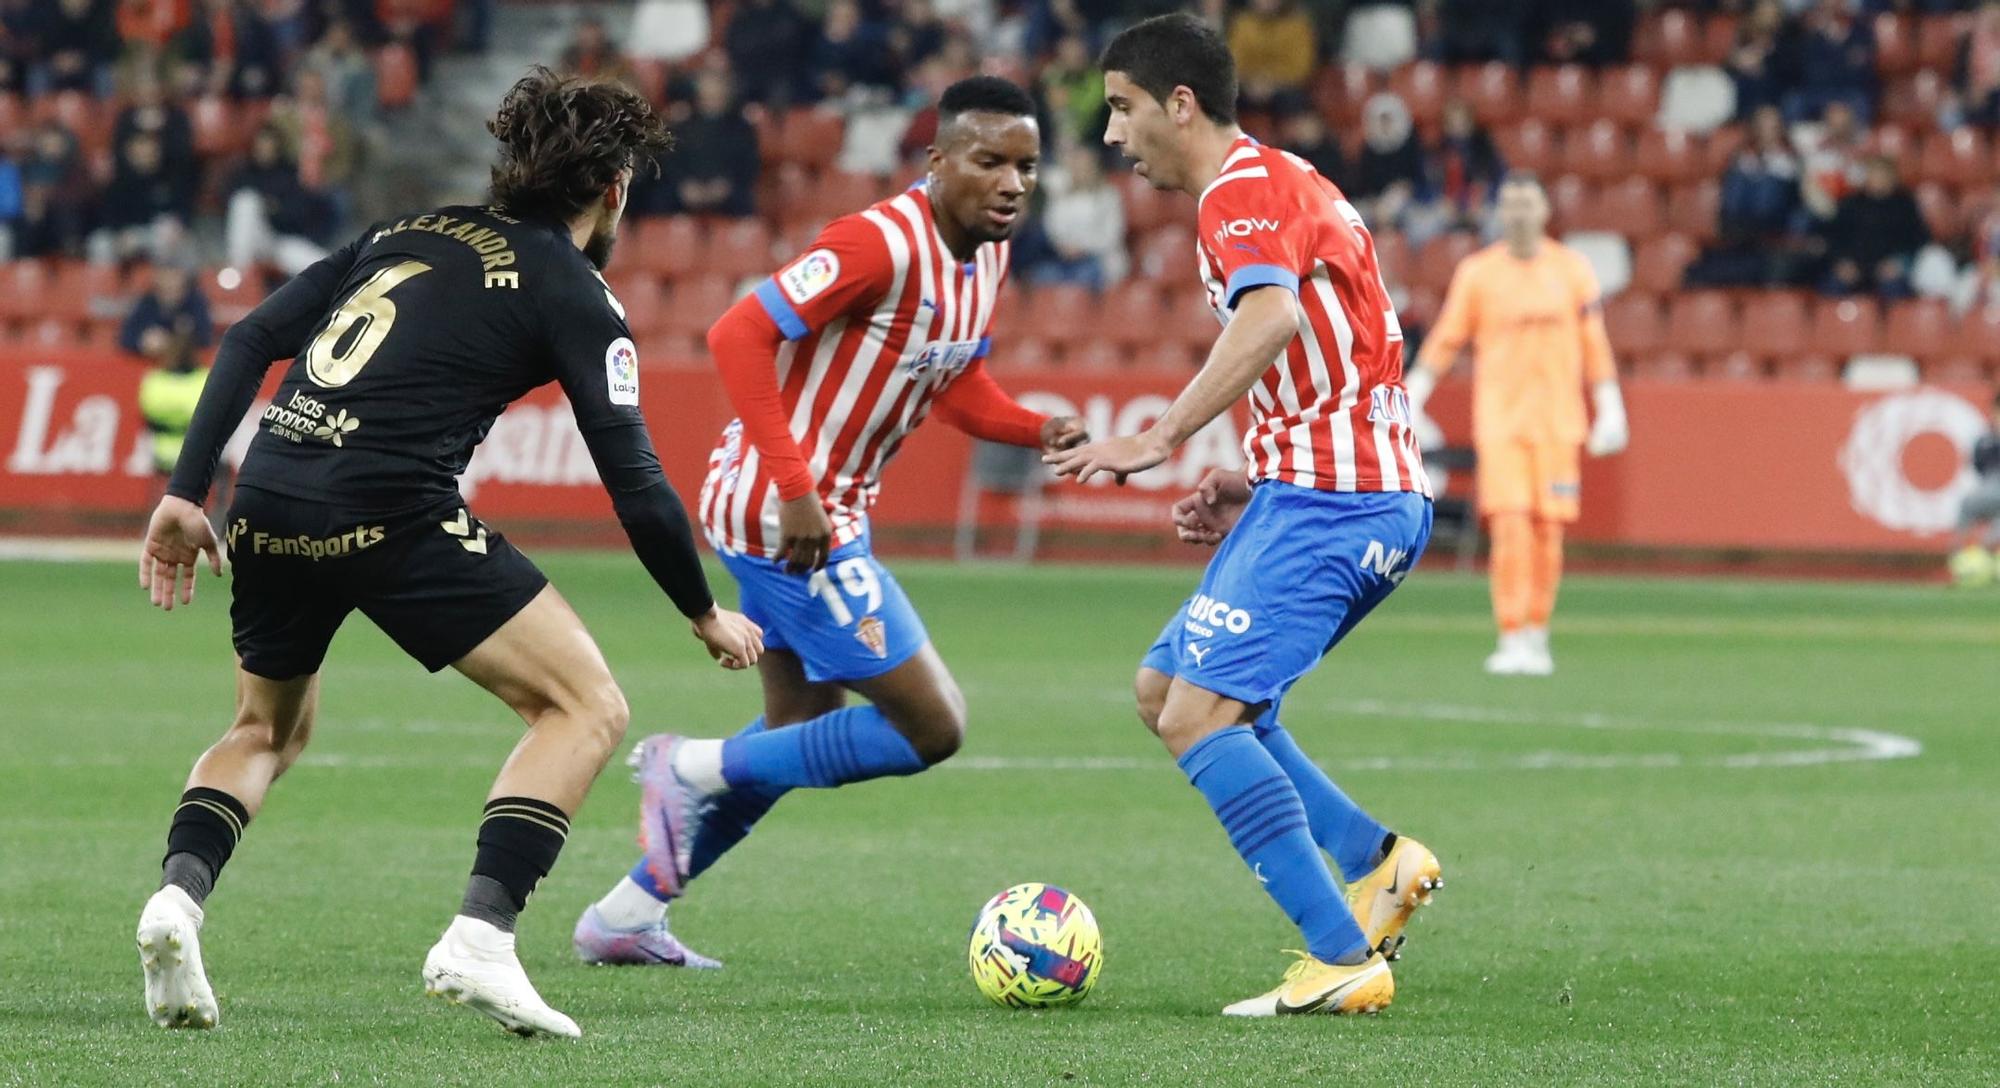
(605,714)
(944,730)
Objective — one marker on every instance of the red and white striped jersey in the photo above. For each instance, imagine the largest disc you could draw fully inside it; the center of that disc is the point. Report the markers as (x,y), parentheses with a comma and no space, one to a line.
(1331,414)
(879,318)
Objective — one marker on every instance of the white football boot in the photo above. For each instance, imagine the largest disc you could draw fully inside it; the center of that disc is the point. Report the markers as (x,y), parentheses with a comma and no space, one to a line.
(474,965)
(177,992)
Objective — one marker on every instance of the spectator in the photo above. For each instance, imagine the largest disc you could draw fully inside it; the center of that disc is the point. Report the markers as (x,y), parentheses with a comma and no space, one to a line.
(713,168)
(853,55)
(1761,62)
(150,112)
(78,41)
(329,149)
(148,26)
(1083,222)
(346,71)
(1272,41)
(20,43)
(11,198)
(591,53)
(1836,63)
(1874,236)
(1592,32)
(1973,558)
(145,211)
(54,195)
(1073,93)
(916,35)
(415,25)
(1467,167)
(1985,266)
(769,45)
(271,217)
(1832,159)
(1390,172)
(1478,30)
(170,322)
(233,49)
(1761,208)
(1307,137)
(1979,67)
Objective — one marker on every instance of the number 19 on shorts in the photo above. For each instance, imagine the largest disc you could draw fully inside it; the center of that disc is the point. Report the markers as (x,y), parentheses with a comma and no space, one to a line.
(856,578)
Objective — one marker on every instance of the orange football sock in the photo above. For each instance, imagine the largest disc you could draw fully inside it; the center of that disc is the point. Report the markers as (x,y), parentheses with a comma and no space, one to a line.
(1511,568)
(1547,571)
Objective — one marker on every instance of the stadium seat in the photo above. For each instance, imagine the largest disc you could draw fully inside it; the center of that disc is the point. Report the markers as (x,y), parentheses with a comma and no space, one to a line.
(1702,323)
(83,290)
(1380,36)
(1937,42)
(1942,211)
(1570,198)
(693,304)
(1098,355)
(1609,255)
(1167,254)
(649,75)
(1735,366)
(1667,39)
(741,248)
(24,289)
(1775,323)
(1422,87)
(1420,307)
(1191,321)
(1895,46)
(1697,99)
(1146,207)
(13,116)
(1692,209)
(1658,264)
(1807,368)
(1977,335)
(1491,90)
(1919,327)
(213,119)
(1899,144)
(1719,148)
(1631,207)
(1133,314)
(1718,38)
(1914,100)
(840,194)
(1561,95)
(672,247)
(230,304)
(1666,366)
(1530,145)
(1025,353)
(1672,157)
(811,136)
(1957,370)
(1635,324)
(1629,95)
(1599,152)
(1847,326)
(1392,256)
(1339,91)
(1959,158)
(1065,313)
(395,76)
(645,307)
(1440,256)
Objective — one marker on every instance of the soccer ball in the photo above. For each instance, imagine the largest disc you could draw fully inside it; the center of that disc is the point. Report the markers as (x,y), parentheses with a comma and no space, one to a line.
(1973,566)
(1035,946)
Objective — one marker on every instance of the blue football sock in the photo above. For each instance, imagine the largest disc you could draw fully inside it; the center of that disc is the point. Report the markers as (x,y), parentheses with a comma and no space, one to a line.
(853,744)
(1261,811)
(1338,824)
(727,818)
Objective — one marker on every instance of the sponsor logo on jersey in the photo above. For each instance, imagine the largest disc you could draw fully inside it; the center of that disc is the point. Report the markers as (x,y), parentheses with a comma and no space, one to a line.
(1389,404)
(872,635)
(1240,228)
(1390,563)
(1205,614)
(948,356)
(303,546)
(304,417)
(621,371)
(811,275)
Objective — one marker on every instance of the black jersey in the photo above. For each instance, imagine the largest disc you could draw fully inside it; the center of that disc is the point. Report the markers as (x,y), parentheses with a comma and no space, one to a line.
(406,344)
(1986,455)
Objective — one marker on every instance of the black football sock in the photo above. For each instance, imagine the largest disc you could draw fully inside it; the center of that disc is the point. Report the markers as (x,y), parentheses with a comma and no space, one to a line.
(206,828)
(518,843)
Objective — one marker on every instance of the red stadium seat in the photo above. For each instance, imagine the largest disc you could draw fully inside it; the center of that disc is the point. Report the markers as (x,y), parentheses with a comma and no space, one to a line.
(649,75)
(1392,256)
(1718,38)
(1719,148)
(1340,90)
(1895,45)
(1666,366)
(1672,156)
(1959,158)
(1570,198)
(1943,212)
(1937,42)
(1846,326)
(1531,145)
(1065,313)
(1629,95)
(1897,142)
(741,248)
(791,191)
(1957,370)
(1599,152)
(81,291)
(1491,90)
(1098,355)
(1167,255)
(1026,353)
(1702,323)
(13,116)
(1668,39)
(1132,314)
(25,287)
(1735,366)
(1807,368)
(811,136)
(1561,95)
(395,76)
(1632,208)
(1422,87)
(1775,323)
(1692,209)
(673,247)
(229,305)
(1145,206)
(1977,335)
(1440,257)
(1913,100)
(1190,321)
(1635,324)
(1658,264)
(1421,308)
(213,119)
(693,304)
(645,306)
(1920,328)
(841,194)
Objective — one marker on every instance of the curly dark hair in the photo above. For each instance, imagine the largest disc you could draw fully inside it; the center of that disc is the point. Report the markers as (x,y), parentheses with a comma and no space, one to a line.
(565,139)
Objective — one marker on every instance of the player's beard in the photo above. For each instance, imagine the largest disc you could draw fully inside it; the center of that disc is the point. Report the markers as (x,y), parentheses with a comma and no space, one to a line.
(598,248)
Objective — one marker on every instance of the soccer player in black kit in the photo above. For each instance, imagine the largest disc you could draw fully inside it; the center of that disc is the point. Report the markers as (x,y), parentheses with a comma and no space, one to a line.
(406,344)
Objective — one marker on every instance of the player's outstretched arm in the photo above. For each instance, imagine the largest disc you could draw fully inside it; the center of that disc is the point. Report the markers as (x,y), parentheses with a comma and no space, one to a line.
(1266,319)
(976,404)
(744,343)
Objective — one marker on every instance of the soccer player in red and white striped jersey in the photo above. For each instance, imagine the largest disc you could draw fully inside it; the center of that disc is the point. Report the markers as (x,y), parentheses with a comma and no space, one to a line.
(1333,512)
(830,364)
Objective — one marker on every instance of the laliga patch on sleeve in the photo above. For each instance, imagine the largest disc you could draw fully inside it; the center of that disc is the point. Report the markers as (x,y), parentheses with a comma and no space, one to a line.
(621,372)
(810,276)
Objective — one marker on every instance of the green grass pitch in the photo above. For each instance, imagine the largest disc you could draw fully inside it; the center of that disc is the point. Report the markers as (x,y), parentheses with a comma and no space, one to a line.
(1667,865)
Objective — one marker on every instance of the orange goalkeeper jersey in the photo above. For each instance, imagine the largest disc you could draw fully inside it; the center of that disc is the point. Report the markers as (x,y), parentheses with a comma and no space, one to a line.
(1537,332)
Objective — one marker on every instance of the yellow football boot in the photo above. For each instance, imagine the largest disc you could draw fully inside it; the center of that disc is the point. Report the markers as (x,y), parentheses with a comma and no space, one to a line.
(1315,986)
(1383,900)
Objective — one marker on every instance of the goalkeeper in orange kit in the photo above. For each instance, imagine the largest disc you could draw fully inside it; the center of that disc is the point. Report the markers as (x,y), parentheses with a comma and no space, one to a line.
(1530,308)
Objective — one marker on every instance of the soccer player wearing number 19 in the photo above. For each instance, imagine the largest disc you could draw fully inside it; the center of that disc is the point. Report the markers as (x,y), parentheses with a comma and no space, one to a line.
(830,365)
(408,343)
